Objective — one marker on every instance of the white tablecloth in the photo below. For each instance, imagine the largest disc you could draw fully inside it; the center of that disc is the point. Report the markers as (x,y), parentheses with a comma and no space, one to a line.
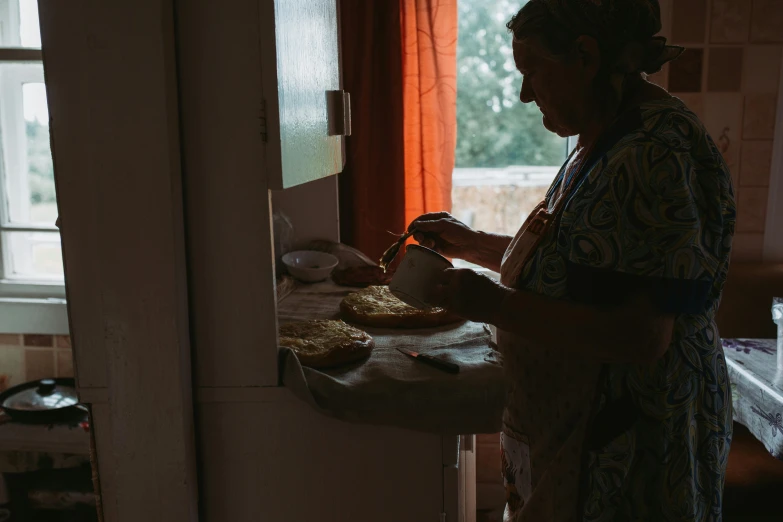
(390,388)
(757,389)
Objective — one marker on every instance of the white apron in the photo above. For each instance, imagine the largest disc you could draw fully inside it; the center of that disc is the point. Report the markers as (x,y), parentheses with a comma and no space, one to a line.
(550,395)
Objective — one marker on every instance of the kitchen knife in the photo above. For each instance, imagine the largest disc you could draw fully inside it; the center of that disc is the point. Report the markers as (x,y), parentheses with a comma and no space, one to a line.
(440,364)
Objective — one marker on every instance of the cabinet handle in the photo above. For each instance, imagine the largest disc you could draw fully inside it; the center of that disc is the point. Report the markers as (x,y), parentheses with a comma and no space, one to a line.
(338,113)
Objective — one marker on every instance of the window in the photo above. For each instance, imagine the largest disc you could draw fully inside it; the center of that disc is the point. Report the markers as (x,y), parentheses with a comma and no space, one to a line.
(31,261)
(505,158)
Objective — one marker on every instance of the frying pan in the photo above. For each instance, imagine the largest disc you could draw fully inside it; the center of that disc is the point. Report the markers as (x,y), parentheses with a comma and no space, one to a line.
(46,401)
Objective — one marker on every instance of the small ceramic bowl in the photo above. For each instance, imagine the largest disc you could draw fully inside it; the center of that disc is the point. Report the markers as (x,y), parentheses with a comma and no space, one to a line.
(309,266)
(414,278)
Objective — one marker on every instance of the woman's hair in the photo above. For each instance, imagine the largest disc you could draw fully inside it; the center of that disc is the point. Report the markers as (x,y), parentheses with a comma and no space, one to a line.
(535,20)
(624,29)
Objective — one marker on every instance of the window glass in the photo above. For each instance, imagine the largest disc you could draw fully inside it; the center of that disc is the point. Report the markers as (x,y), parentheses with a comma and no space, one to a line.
(505,158)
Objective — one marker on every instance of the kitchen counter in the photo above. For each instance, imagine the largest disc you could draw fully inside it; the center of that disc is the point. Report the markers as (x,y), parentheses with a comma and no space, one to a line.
(391,389)
(31,447)
(55,438)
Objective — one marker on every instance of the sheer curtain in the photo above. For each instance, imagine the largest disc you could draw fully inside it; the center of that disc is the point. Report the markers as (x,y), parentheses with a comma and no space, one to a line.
(399,62)
(429,68)
(372,186)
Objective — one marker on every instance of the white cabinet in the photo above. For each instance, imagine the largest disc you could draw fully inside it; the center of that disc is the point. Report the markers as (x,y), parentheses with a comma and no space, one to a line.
(270,457)
(173,123)
(303,108)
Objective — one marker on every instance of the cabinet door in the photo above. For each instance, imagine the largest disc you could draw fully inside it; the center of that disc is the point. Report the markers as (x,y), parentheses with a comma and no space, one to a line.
(301,81)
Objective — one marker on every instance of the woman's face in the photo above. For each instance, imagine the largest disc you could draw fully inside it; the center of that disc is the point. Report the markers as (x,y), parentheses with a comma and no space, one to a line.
(561,88)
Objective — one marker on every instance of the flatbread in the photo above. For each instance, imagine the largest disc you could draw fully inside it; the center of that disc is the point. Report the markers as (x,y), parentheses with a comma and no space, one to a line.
(377,307)
(362,276)
(325,343)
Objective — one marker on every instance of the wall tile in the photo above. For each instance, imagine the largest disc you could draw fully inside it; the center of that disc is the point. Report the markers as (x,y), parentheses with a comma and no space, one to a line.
(685,73)
(689,20)
(730,21)
(767,21)
(11,339)
(756,163)
(760,112)
(488,468)
(762,69)
(38,340)
(11,366)
(64,363)
(694,101)
(666,17)
(62,341)
(489,439)
(724,73)
(752,209)
(723,119)
(747,247)
(39,364)
(734,160)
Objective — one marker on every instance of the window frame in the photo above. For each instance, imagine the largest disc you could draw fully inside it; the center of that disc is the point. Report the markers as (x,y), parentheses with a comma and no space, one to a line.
(12,287)
(26,305)
(11,112)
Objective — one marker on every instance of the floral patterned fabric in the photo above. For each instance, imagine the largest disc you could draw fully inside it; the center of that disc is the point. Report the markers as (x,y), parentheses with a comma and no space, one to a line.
(653,213)
(757,389)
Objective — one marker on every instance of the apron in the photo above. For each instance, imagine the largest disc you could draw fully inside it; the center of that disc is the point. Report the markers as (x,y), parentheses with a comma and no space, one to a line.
(541,453)
(541,484)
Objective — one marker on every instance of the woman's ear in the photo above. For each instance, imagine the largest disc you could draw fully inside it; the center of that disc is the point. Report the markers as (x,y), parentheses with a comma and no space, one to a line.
(588,53)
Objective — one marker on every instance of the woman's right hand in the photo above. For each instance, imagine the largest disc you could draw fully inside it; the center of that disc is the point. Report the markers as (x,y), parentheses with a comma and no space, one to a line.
(445,234)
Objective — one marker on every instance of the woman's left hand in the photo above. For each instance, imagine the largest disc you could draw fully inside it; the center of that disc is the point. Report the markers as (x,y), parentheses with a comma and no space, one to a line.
(470,295)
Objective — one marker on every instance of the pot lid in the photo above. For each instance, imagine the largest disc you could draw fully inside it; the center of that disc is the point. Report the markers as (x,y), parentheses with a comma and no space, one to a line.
(43,395)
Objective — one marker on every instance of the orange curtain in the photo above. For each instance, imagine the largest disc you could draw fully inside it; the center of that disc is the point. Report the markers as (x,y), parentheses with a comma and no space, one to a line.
(429,68)
(372,190)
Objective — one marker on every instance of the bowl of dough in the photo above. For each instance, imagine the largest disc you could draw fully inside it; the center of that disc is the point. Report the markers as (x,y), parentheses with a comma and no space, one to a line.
(309,266)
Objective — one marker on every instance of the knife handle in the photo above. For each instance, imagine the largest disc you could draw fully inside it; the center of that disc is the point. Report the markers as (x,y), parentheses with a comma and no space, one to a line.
(440,364)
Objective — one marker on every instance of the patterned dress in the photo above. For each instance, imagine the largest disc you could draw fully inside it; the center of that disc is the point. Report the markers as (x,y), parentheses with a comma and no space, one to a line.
(653,212)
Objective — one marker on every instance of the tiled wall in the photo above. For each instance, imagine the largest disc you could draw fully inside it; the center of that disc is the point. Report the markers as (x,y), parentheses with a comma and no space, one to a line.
(28,357)
(730,76)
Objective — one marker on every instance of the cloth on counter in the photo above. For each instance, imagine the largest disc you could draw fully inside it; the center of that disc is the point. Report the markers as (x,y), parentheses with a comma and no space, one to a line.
(757,389)
(392,389)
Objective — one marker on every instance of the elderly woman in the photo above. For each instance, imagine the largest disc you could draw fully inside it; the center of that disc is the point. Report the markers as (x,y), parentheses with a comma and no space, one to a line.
(618,404)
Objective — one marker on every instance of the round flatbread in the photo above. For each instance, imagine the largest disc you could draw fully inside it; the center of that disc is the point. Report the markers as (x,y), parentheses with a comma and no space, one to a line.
(376,306)
(325,343)
(362,276)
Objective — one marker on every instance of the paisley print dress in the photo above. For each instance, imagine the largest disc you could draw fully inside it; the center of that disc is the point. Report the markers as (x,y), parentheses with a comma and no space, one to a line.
(653,212)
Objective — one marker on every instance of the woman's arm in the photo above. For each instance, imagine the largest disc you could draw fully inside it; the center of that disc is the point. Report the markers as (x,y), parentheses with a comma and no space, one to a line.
(443,233)
(488,251)
(635,332)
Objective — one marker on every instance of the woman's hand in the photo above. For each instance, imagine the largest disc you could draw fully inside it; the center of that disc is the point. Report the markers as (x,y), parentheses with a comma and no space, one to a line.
(445,234)
(470,295)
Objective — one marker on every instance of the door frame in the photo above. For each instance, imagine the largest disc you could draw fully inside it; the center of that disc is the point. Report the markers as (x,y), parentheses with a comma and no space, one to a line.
(112,92)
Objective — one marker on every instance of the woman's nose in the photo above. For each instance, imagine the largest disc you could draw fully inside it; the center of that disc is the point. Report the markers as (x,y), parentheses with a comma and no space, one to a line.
(526,94)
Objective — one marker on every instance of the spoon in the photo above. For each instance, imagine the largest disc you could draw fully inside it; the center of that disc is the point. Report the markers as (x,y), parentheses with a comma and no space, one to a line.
(393,250)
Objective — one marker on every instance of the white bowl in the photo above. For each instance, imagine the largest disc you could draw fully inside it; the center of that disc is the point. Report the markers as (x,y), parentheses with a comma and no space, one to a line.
(309,266)
(413,280)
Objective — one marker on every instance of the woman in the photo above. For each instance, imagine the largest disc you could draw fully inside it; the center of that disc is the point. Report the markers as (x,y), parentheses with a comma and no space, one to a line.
(618,401)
